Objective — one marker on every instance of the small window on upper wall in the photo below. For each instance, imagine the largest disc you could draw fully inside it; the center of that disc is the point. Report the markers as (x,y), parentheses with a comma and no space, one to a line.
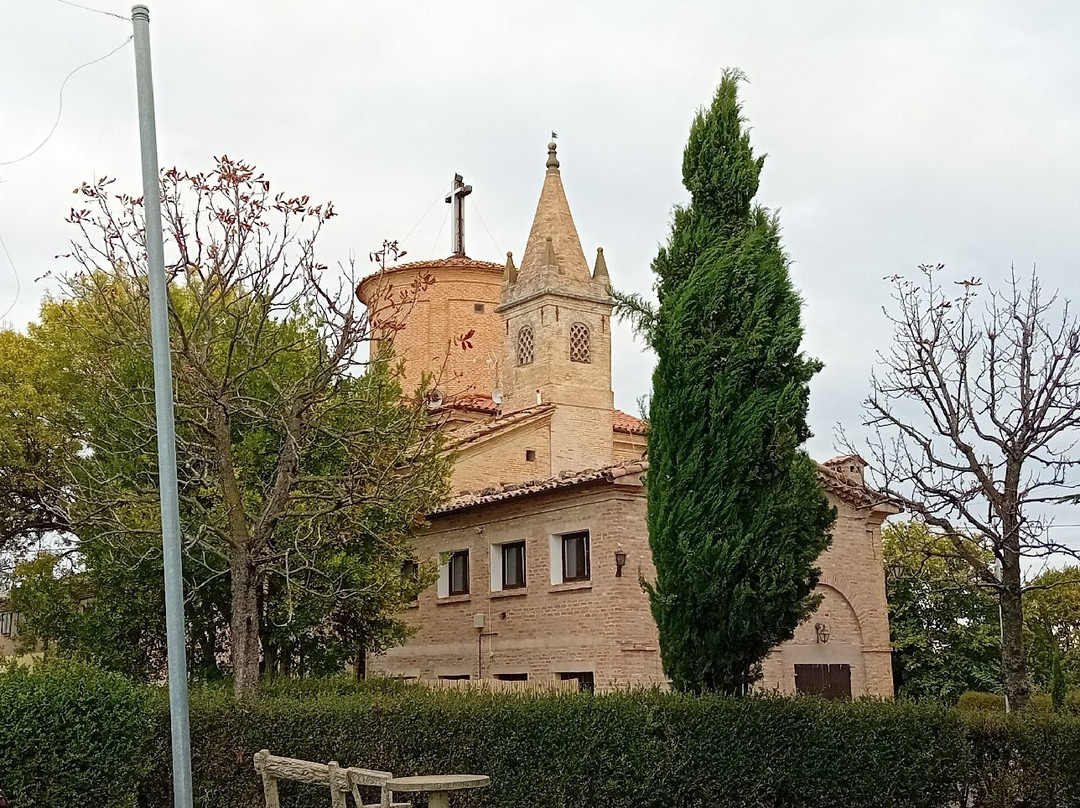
(579,343)
(478,308)
(530,455)
(459,572)
(525,345)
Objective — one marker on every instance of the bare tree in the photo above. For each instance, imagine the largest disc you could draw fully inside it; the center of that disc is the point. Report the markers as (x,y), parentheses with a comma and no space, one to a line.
(299,462)
(975,411)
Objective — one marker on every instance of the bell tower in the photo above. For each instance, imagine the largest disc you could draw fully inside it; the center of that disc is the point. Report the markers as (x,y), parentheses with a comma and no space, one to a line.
(557,333)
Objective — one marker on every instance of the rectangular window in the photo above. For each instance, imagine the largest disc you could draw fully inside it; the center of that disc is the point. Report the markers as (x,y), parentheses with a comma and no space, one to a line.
(512,677)
(456,677)
(6,623)
(410,571)
(478,308)
(575,556)
(585,680)
(459,573)
(530,455)
(513,565)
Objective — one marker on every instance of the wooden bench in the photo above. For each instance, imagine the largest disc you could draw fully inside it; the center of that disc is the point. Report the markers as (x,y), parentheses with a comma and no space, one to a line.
(341,781)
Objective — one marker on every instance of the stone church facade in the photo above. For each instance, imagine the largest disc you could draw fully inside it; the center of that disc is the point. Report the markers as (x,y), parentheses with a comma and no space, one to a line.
(543,541)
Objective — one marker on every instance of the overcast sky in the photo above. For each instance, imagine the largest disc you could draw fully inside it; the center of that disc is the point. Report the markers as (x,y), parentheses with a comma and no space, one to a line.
(896,133)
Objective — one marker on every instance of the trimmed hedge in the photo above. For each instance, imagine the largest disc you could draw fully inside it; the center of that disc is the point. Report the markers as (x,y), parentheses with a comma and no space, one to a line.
(972,700)
(72,735)
(635,749)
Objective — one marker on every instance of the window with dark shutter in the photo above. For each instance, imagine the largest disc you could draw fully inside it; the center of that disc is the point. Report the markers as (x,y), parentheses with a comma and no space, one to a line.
(513,565)
(575,556)
(459,573)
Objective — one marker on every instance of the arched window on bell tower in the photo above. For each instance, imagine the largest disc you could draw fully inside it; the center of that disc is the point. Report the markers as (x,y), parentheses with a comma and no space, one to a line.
(525,345)
(579,343)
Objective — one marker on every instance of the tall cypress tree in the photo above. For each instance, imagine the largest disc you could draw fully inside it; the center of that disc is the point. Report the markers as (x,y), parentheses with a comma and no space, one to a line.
(735,512)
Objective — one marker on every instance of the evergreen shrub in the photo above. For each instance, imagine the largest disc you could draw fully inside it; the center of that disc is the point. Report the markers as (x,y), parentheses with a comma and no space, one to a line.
(72,735)
(640,749)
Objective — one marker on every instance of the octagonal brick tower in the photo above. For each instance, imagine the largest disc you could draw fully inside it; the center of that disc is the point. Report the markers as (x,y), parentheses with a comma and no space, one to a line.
(445,299)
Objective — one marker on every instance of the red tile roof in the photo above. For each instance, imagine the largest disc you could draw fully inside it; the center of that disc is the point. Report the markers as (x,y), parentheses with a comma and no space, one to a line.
(472,403)
(859,496)
(621,422)
(499,493)
(451,262)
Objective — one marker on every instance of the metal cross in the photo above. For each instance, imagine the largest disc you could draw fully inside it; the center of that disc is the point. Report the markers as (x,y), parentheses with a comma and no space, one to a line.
(457,215)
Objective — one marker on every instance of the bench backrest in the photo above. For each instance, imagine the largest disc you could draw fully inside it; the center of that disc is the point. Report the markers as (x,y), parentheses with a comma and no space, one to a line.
(341,782)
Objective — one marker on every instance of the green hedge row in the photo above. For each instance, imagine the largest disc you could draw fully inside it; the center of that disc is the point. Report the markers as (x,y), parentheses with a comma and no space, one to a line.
(639,749)
(73,735)
(995,702)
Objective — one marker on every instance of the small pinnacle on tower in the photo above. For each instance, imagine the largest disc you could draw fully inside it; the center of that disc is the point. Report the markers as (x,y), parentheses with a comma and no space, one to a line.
(600,272)
(510,273)
(552,161)
(549,254)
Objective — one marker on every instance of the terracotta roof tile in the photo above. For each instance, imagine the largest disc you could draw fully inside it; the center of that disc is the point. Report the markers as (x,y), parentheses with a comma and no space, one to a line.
(481,429)
(472,403)
(451,262)
(860,496)
(499,493)
(622,422)
(852,492)
(842,459)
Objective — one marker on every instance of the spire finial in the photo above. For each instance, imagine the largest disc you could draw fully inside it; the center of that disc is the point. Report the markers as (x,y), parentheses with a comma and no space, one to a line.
(510,274)
(552,161)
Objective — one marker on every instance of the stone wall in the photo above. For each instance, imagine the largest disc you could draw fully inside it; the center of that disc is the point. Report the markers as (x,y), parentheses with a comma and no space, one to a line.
(602,626)
(605,626)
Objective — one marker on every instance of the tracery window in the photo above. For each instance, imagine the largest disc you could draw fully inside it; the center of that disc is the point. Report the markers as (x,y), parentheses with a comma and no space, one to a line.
(579,343)
(525,345)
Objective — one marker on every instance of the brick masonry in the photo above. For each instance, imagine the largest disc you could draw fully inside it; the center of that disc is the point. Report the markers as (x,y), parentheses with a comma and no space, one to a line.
(556,420)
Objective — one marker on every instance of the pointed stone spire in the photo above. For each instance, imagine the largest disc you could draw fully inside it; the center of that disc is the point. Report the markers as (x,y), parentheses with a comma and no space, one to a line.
(600,273)
(510,274)
(554,223)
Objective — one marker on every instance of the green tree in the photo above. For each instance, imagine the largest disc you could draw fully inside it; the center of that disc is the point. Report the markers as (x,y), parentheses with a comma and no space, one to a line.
(1052,622)
(303,473)
(943,625)
(1057,683)
(35,447)
(736,516)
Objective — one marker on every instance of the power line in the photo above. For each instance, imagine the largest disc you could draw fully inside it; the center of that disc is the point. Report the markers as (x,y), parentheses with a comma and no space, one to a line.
(18,283)
(480,216)
(60,110)
(95,10)
(442,195)
(439,236)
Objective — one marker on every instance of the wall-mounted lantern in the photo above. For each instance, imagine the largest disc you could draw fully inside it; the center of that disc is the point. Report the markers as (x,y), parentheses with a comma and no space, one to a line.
(620,562)
(822,632)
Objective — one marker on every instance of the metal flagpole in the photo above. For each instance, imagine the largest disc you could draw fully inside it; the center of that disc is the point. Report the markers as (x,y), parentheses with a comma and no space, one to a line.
(163,398)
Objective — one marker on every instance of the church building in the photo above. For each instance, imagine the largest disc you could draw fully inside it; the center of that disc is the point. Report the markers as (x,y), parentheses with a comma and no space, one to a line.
(543,541)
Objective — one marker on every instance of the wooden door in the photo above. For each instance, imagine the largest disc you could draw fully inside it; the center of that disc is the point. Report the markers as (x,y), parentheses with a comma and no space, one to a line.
(830,681)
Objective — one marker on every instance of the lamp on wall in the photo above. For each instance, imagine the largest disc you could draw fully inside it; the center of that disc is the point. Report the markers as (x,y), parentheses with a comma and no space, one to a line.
(822,632)
(620,562)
